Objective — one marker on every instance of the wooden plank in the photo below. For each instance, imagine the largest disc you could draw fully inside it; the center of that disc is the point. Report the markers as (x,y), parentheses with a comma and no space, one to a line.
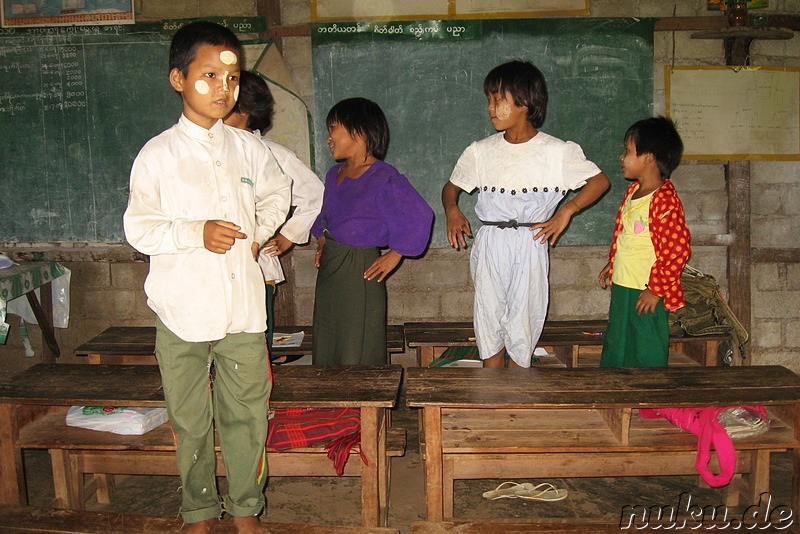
(601,388)
(141,341)
(546,526)
(140,385)
(23,519)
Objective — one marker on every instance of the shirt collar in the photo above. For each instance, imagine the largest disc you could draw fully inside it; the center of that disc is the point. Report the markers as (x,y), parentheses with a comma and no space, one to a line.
(198,132)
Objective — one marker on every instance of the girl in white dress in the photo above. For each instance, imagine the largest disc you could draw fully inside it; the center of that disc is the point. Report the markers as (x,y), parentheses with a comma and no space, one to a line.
(521,175)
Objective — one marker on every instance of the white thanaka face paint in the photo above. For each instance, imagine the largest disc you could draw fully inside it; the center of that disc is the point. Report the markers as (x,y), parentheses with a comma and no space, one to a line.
(236,93)
(225,81)
(503,110)
(228,57)
(201,86)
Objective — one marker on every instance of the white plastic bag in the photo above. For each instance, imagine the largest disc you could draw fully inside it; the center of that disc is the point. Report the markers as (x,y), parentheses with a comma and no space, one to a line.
(119,420)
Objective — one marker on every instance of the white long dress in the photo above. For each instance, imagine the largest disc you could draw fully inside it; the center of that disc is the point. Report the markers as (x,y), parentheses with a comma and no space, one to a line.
(523,182)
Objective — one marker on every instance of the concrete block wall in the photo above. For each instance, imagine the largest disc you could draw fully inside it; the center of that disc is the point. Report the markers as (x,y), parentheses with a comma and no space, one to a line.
(437,286)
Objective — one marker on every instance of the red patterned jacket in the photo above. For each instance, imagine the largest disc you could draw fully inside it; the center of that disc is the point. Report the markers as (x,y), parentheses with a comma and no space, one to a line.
(670,237)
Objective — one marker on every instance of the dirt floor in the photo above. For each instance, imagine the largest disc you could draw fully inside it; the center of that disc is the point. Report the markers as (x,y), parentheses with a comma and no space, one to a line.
(336,500)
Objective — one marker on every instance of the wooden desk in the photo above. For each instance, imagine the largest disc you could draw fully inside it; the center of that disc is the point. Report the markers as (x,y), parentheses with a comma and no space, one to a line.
(30,395)
(566,338)
(535,423)
(23,279)
(137,344)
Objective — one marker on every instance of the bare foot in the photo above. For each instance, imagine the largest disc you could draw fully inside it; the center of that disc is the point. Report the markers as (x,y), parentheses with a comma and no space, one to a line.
(201,527)
(249,525)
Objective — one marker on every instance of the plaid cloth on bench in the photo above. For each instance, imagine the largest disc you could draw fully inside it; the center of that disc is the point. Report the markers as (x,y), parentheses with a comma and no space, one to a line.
(299,427)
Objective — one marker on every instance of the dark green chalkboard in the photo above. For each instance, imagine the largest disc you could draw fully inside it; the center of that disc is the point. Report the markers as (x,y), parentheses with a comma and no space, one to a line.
(76,105)
(599,74)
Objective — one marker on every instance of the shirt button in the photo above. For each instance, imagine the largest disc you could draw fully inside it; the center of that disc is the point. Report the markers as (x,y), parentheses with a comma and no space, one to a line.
(218,163)
(210,135)
(224,198)
(233,276)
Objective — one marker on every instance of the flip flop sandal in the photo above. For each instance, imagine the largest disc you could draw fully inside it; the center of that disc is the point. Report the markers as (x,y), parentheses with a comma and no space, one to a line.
(507,490)
(543,492)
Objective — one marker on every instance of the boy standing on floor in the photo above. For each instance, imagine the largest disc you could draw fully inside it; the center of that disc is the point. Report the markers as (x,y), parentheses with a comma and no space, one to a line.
(649,249)
(204,198)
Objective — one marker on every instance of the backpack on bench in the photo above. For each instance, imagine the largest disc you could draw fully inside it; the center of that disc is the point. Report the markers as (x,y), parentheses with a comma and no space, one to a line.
(707,313)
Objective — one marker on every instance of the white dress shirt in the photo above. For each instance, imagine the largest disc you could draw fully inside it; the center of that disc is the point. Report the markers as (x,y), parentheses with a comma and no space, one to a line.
(182,178)
(307,191)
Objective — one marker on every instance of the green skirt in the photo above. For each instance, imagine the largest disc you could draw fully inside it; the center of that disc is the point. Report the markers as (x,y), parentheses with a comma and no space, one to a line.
(349,311)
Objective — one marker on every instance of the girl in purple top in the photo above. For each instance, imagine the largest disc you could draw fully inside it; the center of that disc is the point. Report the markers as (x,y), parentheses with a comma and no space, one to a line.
(367,206)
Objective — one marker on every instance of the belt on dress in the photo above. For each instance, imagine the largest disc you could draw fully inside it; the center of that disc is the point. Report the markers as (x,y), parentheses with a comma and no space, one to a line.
(508,224)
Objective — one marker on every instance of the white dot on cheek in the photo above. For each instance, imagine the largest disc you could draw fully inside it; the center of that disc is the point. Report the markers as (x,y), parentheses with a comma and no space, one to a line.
(201,87)
(228,57)
(503,111)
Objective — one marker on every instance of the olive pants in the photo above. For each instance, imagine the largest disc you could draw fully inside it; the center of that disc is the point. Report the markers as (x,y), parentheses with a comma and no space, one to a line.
(234,399)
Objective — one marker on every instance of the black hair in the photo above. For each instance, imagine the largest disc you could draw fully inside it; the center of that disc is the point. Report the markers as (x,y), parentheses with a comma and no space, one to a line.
(525,83)
(185,42)
(363,117)
(659,137)
(256,100)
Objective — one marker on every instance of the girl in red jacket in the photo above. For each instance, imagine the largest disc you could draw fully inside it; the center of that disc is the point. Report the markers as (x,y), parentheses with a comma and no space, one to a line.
(649,249)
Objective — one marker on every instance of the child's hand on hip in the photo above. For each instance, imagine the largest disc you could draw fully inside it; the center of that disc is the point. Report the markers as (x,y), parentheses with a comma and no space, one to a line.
(457,226)
(602,278)
(647,302)
(383,266)
(277,245)
(219,236)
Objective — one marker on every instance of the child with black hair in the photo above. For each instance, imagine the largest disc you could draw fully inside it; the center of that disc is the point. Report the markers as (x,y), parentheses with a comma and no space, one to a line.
(204,197)
(253,112)
(368,205)
(649,250)
(521,175)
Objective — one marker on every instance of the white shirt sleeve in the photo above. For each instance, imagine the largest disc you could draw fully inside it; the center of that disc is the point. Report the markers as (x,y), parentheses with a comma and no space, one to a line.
(148,226)
(273,196)
(465,173)
(576,168)
(307,192)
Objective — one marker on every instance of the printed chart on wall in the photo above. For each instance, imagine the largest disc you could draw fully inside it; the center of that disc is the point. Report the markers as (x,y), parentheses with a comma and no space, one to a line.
(77,104)
(427,76)
(732,113)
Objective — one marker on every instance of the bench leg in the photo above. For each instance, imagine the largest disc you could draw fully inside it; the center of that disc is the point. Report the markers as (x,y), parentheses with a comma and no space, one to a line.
(448,489)
(67,479)
(433,463)
(373,446)
(102,485)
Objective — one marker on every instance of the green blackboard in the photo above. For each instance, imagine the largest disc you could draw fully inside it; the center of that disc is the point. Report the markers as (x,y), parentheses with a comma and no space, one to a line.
(429,83)
(77,104)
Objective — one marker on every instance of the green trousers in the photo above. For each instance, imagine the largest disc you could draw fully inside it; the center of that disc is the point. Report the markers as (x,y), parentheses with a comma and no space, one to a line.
(634,340)
(234,399)
(349,312)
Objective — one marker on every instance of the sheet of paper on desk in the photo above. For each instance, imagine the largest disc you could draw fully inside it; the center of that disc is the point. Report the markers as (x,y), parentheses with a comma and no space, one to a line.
(287,340)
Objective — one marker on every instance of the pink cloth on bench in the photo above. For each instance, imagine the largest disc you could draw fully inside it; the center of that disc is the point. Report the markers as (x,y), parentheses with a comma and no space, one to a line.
(299,427)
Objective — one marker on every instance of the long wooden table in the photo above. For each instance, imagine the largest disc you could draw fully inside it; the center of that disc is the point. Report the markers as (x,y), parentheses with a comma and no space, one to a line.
(32,394)
(137,344)
(551,422)
(566,338)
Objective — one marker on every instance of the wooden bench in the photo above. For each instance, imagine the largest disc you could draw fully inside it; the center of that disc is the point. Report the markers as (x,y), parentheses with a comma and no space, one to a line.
(541,423)
(17,519)
(137,344)
(555,526)
(32,416)
(566,339)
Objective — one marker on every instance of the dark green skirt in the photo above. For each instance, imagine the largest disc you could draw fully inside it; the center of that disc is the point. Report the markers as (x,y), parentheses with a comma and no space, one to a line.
(349,311)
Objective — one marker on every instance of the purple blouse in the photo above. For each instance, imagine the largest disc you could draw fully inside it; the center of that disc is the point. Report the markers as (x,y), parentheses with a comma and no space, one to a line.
(380,208)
